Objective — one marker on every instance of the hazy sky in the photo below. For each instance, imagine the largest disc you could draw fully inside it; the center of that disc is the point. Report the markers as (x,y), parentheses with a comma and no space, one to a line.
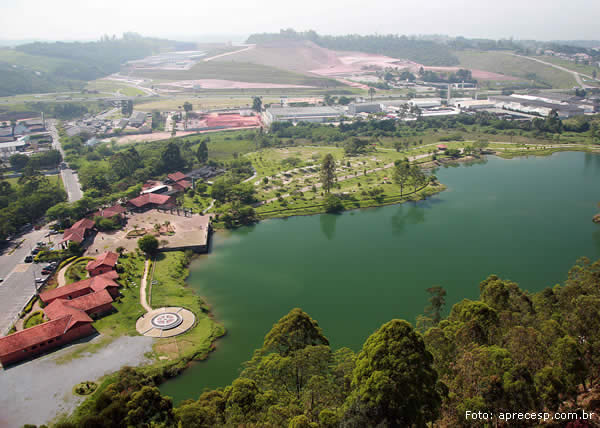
(190,19)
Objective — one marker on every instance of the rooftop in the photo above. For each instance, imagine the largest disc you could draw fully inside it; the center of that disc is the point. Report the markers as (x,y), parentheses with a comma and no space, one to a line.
(105,259)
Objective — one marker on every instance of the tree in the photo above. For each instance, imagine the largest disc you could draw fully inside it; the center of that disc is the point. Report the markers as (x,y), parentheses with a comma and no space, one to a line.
(402,174)
(147,408)
(328,172)
(171,158)
(372,92)
(257,104)
(148,244)
(293,332)
(187,106)
(18,161)
(333,204)
(393,383)
(202,152)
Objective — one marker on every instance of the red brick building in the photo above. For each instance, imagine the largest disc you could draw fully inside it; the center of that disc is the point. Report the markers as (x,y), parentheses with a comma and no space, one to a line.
(110,212)
(149,201)
(78,232)
(70,312)
(105,262)
(81,288)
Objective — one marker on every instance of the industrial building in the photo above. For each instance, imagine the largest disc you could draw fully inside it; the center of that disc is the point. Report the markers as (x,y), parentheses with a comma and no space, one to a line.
(364,108)
(302,114)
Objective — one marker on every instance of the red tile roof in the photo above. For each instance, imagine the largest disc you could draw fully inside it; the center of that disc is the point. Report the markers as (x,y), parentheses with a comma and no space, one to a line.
(177,176)
(84,223)
(105,259)
(40,333)
(184,184)
(77,307)
(110,212)
(149,198)
(76,233)
(96,283)
(442,146)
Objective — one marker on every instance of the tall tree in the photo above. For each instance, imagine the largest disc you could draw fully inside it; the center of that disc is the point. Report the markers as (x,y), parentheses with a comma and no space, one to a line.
(393,383)
(293,332)
(171,158)
(257,104)
(402,174)
(202,152)
(188,107)
(372,92)
(328,172)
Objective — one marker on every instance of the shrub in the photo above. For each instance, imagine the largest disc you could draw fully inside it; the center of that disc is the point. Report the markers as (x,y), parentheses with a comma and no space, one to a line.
(333,204)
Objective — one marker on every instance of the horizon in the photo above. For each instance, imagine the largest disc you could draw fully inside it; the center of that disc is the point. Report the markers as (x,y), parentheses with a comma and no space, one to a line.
(535,20)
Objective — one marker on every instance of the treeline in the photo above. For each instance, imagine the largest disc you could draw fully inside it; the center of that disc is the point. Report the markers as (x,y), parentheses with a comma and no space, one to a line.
(78,62)
(426,52)
(508,351)
(486,122)
(27,201)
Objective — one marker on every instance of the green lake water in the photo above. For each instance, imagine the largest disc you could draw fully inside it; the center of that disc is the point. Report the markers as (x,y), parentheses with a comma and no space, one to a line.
(525,219)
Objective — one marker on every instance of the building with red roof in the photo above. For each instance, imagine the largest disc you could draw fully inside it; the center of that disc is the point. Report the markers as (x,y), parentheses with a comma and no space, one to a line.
(110,212)
(176,176)
(44,337)
(69,320)
(182,185)
(151,200)
(78,232)
(105,262)
(80,288)
(442,147)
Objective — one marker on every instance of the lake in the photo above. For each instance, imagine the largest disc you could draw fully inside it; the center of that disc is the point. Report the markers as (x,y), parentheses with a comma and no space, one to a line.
(524,219)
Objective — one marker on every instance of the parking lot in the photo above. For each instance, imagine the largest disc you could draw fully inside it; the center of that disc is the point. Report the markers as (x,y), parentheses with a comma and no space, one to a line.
(18,283)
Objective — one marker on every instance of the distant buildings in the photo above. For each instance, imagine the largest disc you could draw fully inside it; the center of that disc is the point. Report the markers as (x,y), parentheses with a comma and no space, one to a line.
(302,114)
(137,119)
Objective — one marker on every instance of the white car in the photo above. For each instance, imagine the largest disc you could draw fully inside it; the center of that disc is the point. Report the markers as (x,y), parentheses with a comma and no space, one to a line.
(39,280)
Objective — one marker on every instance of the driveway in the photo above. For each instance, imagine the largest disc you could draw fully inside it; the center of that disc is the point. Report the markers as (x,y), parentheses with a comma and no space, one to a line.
(37,391)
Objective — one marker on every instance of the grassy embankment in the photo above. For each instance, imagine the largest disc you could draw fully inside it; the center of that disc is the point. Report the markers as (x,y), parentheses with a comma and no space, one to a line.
(522,68)
(54,179)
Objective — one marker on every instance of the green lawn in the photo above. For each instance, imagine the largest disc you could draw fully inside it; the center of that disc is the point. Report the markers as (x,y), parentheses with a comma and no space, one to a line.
(54,179)
(170,290)
(504,63)
(34,319)
(76,271)
(112,87)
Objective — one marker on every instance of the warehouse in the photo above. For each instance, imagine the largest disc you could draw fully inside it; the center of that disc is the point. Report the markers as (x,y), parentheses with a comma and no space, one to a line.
(302,114)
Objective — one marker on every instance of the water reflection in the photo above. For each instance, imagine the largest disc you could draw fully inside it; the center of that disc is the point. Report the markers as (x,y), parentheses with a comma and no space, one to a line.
(407,214)
(328,222)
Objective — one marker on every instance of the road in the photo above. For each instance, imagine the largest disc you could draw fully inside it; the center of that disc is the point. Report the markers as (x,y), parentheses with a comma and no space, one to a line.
(69,177)
(18,285)
(575,74)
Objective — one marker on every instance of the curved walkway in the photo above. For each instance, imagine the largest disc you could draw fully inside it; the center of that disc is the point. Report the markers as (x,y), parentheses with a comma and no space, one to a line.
(61,279)
(145,326)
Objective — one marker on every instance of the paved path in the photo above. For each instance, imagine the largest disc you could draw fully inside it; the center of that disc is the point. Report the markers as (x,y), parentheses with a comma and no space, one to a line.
(247,48)
(69,177)
(60,278)
(143,299)
(18,286)
(37,391)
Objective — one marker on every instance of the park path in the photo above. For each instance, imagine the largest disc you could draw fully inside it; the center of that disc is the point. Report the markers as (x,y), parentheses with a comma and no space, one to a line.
(143,299)
(61,279)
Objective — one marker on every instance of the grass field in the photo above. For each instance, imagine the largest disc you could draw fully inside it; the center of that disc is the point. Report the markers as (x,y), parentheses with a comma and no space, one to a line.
(54,179)
(504,63)
(170,290)
(111,87)
(33,62)
(244,72)
(200,103)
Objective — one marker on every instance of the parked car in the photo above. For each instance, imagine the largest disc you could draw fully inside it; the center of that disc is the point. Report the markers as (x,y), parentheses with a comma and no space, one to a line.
(39,280)
(40,244)
(46,271)
(28,259)
(35,251)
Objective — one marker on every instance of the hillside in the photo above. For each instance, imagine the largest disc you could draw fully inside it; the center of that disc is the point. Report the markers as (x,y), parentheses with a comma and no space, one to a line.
(296,55)
(426,52)
(504,63)
(236,71)
(49,67)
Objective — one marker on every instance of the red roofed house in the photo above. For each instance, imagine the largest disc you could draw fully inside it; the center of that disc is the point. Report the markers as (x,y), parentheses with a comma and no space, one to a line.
(182,185)
(104,262)
(116,210)
(69,320)
(151,200)
(78,232)
(176,176)
(43,337)
(442,147)
(81,288)
(150,184)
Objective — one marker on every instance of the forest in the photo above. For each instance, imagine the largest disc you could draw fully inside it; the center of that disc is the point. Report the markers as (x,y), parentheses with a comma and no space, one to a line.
(49,67)
(510,350)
